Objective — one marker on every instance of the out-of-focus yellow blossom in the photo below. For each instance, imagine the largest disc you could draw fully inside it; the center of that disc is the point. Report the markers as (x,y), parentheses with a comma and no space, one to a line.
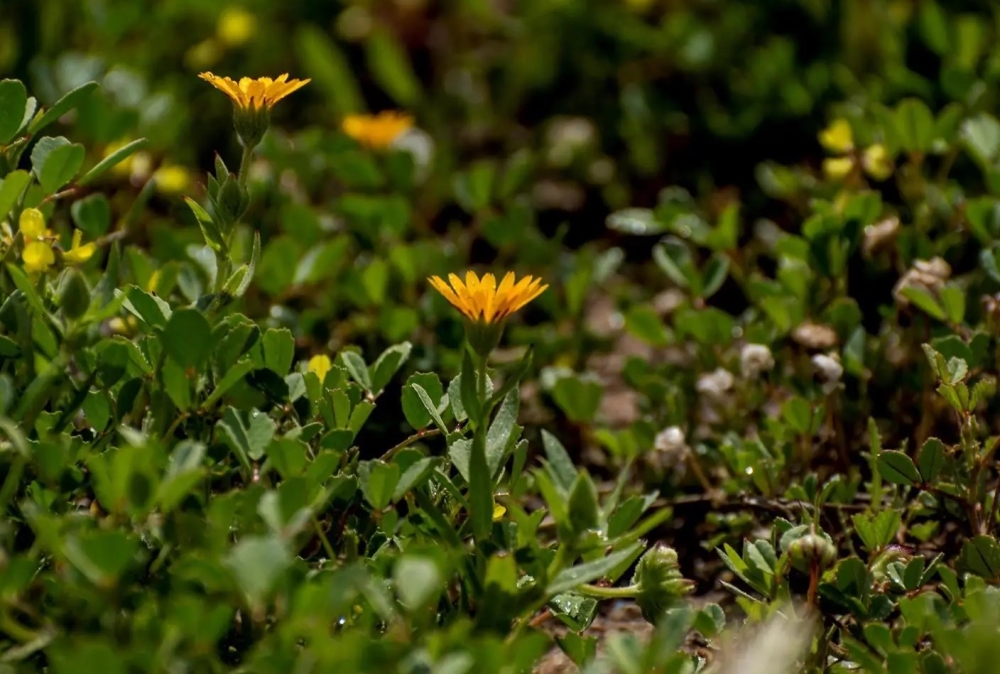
(320,365)
(124,167)
(377,131)
(37,257)
(236,26)
(498,512)
(877,162)
(255,94)
(78,254)
(837,168)
(172,179)
(837,137)
(32,224)
(203,55)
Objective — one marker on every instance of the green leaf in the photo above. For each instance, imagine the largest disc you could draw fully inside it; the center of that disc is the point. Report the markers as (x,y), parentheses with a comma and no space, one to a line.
(187,338)
(112,160)
(579,396)
(92,215)
(101,556)
(177,384)
(356,367)
(931,459)
(329,69)
(257,562)
(415,475)
(643,322)
(981,555)
(11,188)
(61,107)
(150,308)
(278,347)
(480,488)
(247,434)
(897,467)
(378,482)
(914,125)
(414,409)
(572,578)
(184,472)
(13,101)
(715,274)
(56,161)
(498,437)
(981,137)
(251,268)
(474,187)
(390,66)
(467,389)
(388,364)
(877,532)
(417,580)
(560,465)
(234,375)
(209,229)
(583,508)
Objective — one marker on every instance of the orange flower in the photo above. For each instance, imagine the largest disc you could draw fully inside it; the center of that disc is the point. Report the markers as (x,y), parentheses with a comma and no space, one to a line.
(482,301)
(248,93)
(377,131)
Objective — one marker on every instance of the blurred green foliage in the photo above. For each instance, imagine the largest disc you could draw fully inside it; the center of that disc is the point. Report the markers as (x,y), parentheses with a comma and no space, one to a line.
(242,435)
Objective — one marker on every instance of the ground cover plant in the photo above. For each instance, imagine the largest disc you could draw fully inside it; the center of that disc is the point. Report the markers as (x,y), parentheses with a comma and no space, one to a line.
(587,336)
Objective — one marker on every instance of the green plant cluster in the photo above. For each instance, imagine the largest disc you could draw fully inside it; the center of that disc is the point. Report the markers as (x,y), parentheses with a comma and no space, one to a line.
(241,431)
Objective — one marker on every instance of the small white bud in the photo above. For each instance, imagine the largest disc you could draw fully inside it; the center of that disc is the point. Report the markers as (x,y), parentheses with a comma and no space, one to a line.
(755,359)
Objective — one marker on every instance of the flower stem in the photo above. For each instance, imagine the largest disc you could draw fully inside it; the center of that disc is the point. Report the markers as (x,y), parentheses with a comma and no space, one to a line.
(245,165)
(608,592)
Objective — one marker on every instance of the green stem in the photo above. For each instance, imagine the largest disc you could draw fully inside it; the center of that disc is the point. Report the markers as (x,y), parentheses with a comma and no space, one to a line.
(608,592)
(245,165)
(324,540)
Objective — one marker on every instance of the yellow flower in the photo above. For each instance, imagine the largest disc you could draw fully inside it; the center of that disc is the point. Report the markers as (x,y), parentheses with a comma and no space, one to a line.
(837,168)
(498,512)
(482,301)
(172,179)
(32,224)
(78,254)
(877,162)
(377,131)
(320,365)
(837,137)
(255,94)
(236,26)
(37,257)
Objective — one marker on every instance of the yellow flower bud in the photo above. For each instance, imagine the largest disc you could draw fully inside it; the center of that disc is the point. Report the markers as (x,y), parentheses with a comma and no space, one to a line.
(837,168)
(877,162)
(236,26)
(837,137)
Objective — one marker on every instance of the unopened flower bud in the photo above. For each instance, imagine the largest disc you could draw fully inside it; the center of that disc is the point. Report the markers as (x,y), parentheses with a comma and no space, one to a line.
(812,549)
(659,581)
(74,295)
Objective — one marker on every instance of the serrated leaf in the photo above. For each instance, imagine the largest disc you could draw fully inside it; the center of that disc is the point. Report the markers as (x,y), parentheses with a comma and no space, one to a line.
(931,459)
(356,367)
